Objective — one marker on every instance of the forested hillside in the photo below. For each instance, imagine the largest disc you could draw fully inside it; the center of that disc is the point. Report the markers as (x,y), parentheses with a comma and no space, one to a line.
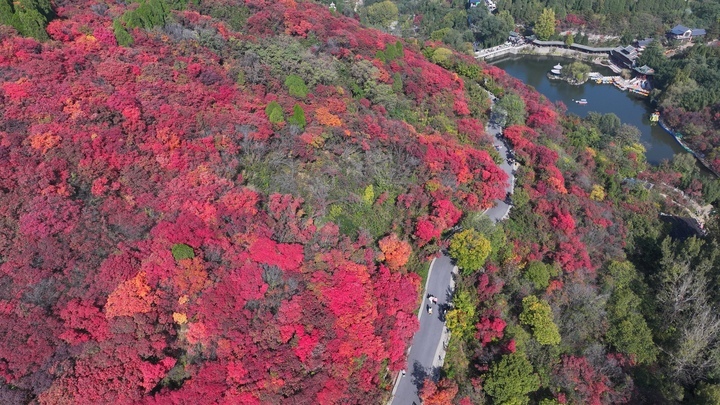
(236,202)
(222,210)
(589,300)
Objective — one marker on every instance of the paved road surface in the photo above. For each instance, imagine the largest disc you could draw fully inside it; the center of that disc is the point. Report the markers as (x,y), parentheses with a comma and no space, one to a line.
(501,209)
(427,352)
(423,360)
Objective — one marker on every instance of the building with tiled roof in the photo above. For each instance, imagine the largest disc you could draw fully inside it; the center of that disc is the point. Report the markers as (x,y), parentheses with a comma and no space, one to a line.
(681,32)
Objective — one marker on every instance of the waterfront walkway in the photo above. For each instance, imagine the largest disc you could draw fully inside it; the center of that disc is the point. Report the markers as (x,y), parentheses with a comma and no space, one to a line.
(574,47)
(515,48)
(500,50)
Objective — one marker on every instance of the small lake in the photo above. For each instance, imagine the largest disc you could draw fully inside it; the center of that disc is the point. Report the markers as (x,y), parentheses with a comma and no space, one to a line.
(602,98)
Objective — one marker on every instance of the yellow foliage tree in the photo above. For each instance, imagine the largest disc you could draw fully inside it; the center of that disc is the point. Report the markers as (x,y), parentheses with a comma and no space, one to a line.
(461,320)
(369,194)
(179,318)
(545,25)
(597,193)
(538,315)
(470,249)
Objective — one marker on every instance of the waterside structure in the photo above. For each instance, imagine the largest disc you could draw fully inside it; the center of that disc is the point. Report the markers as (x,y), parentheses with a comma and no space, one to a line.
(638,85)
(515,47)
(575,47)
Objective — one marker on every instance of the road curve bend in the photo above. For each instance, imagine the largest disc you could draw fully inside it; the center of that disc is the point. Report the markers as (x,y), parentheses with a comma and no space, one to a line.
(427,352)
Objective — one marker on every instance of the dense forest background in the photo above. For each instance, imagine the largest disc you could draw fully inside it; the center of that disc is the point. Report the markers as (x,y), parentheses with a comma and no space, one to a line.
(215,201)
(457,24)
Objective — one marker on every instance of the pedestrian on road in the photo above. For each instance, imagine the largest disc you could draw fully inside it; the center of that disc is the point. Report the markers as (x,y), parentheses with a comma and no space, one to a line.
(429,310)
(433,299)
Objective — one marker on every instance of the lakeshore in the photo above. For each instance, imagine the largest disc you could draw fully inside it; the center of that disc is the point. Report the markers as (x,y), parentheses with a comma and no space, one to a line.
(533,49)
(631,109)
(599,56)
(699,156)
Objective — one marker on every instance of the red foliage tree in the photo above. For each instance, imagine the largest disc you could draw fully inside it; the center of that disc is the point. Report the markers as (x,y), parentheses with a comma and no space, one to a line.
(489,330)
(442,393)
(583,383)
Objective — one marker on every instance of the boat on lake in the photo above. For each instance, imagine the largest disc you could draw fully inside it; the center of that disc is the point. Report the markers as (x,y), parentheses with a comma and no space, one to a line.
(582,101)
(556,70)
(655,117)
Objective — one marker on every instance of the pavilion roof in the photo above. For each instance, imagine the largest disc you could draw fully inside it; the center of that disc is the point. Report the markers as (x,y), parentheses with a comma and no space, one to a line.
(645,70)
(679,29)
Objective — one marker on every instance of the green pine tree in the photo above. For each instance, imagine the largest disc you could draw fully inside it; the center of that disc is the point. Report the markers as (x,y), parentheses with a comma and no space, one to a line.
(28,17)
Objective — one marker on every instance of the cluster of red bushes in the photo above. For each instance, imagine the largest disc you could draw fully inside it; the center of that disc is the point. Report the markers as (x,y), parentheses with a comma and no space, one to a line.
(114,160)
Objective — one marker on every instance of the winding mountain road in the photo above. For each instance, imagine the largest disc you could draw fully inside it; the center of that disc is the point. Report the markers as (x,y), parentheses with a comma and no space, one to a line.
(501,208)
(427,352)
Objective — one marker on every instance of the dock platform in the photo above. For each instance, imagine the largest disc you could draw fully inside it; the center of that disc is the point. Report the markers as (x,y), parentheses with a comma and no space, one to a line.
(635,85)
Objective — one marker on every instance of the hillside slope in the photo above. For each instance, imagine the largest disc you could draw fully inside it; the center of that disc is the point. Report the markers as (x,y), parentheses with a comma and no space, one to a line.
(195,216)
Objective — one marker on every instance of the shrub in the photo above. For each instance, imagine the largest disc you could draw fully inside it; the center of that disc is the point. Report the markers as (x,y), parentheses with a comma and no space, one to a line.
(122,37)
(274,113)
(296,86)
(182,251)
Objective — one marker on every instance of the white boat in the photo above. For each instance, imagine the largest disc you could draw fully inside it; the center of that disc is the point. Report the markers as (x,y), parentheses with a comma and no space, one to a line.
(581,101)
(555,72)
(558,67)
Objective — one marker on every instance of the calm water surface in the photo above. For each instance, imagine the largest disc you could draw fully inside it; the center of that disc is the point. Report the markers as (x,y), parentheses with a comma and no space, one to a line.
(602,98)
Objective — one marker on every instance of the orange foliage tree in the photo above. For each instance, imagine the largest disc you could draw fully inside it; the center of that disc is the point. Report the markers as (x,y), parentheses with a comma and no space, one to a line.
(395,252)
(324,117)
(131,297)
